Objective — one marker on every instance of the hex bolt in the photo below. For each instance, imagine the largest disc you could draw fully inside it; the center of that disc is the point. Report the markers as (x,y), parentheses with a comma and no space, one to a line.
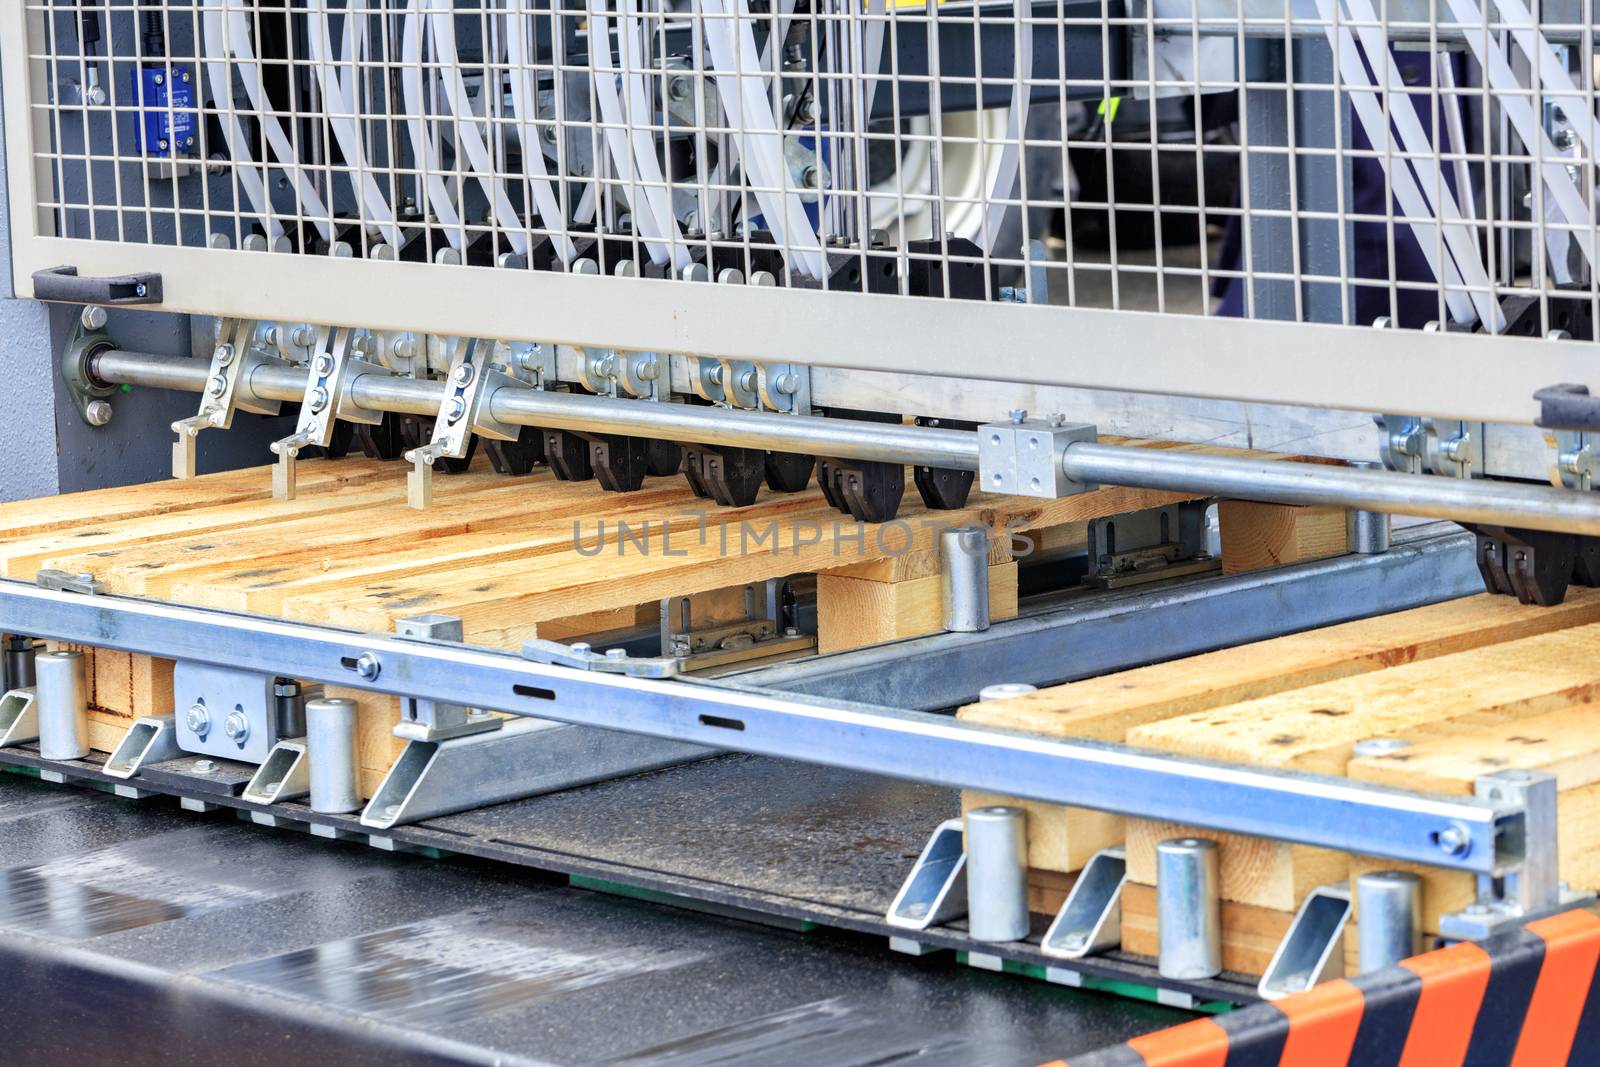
(217,385)
(319,399)
(323,364)
(1018,416)
(462,375)
(367,666)
(649,369)
(198,720)
(303,336)
(93,317)
(222,355)
(788,383)
(454,409)
(97,413)
(236,727)
(1455,840)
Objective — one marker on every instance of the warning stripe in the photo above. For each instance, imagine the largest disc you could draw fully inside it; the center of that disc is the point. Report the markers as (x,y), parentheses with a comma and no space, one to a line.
(1565,986)
(1527,998)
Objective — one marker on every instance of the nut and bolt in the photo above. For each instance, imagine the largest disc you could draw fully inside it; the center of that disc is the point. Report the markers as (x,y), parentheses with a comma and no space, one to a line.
(303,336)
(367,666)
(1455,840)
(810,177)
(217,385)
(97,413)
(319,399)
(1018,416)
(616,654)
(649,369)
(198,720)
(236,727)
(678,89)
(222,355)
(462,375)
(788,383)
(204,766)
(93,317)
(454,409)
(323,365)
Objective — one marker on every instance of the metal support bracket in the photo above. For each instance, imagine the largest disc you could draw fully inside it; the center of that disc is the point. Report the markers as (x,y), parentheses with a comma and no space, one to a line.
(525,758)
(1313,949)
(151,739)
(614,661)
(469,383)
(1023,457)
(760,633)
(935,892)
(1531,885)
(284,775)
(1090,921)
(242,345)
(1575,459)
(1150,545)
(1455,448)
(222,712)
(69,581)
(330,376)
(436,720)
(84,342)
(19,717)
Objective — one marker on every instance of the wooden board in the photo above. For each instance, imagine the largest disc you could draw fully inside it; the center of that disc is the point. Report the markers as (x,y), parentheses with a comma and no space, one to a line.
(1258,535)
(515,558)
(1108,707)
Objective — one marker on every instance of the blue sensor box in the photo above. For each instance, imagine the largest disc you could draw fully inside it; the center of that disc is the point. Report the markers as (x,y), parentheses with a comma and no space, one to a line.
(167,117)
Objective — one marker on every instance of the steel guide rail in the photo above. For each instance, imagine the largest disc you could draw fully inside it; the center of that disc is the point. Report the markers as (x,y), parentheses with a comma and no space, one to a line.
(1449,832)
(1084,462)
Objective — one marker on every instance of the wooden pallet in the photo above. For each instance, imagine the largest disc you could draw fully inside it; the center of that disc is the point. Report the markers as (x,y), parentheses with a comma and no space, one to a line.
(1474,685)
(514,558)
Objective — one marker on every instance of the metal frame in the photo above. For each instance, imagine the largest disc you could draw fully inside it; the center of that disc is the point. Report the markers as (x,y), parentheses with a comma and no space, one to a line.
(1450,832)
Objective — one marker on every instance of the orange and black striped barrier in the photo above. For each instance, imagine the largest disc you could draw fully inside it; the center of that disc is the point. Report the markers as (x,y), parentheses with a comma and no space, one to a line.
(1528,998)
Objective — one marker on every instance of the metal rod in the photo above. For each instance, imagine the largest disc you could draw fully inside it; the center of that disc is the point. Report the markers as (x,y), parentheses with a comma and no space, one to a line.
(331,748)
(966,578)
(1464,500)
(1326,812)
(1389,904)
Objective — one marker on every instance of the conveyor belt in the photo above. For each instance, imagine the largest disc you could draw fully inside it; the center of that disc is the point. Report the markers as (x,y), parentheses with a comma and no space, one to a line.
(137,933)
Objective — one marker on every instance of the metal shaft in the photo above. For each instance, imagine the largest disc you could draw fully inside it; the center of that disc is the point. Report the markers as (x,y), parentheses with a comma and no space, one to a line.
(331,748)
(1389,910)
(1189,908)
(1464,500)
(966,578)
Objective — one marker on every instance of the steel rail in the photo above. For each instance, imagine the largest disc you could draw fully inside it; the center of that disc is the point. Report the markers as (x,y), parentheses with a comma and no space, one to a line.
(1309,809)
(1464,500)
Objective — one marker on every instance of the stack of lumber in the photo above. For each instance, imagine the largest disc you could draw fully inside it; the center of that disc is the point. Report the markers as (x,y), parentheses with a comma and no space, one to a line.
(1473,685)
(514,558)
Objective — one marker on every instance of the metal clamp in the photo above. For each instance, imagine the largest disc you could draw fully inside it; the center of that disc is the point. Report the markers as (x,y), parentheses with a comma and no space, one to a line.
(319,408)
(614,661)
(242,346)
(435,720)
(68,581)
(1575,461)
(1023,457)
(469,383)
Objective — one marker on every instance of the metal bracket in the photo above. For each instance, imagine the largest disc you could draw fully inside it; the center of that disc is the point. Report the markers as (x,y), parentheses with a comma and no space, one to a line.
(1023,457)
(784,387)
(19,717)
(69,582)
(1313,949)
(705,378)
(151,739)
(935,892)
(242,346)
(433,720)
(1403,443)
(1454,447)
(1150,545)
(1575,461)
(760,633)
(284,775)
(469,383)
(525,758)
(1090,921)
(227,713)
(615,661)
(324,397)
(84,342)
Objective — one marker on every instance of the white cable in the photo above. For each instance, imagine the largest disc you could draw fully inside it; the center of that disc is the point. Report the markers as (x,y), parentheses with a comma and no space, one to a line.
(425,153)
(649,224)
(1363,99)
(219,73)
(1509,94)
(656,194)
(1458,238)
(524,96)
(469,138)
(237,42)
(742,90)
(340,109)
(1552,71)
(1016,124)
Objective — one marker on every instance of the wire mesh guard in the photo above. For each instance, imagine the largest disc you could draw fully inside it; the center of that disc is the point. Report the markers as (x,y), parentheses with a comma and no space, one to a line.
(1431,161)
